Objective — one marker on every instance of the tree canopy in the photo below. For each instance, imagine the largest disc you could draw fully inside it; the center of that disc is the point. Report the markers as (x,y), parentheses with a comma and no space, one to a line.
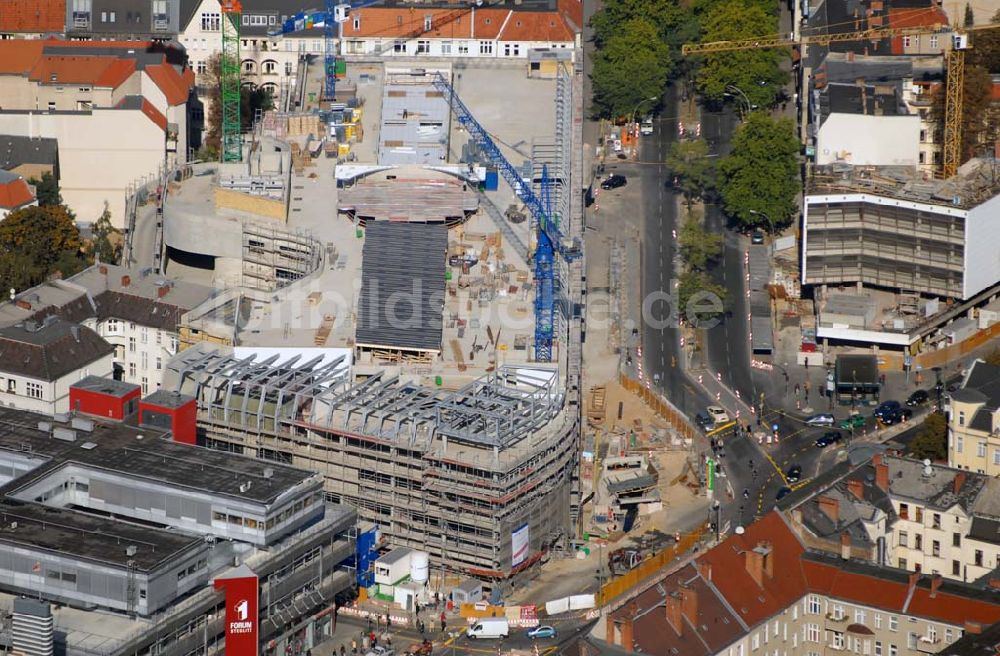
(932,440)
(698,246)
(107,243)
(36,242)
(759,179)
(672,22)
(690,163)
(757,73)
(631,68)
(47,190)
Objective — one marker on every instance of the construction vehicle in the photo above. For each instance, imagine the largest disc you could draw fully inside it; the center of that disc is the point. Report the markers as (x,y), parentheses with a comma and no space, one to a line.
(955,67)
(623,560)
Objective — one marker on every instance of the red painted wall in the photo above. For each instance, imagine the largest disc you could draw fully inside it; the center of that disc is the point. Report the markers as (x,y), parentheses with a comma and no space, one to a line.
(242,614)
(100,405)
(183,420)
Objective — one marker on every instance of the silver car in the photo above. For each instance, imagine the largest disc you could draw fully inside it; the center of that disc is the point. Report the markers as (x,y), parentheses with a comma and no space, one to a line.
(820,420)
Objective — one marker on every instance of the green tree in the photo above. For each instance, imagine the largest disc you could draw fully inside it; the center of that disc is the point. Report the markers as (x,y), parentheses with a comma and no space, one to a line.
(756,72)
(689,161)
(107,243)
(36,242)
(970,18)
(932,440)
(675,22)
(250,101)
(47,190)
(693,290)
(985,50)
(630,69)
(759,179)
(698,246)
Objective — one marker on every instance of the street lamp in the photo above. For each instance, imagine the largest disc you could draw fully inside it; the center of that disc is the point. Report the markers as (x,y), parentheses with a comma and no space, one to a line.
(770,223)
(735,91)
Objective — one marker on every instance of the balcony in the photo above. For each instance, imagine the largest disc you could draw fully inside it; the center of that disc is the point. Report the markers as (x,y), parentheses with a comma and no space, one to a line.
(834,620)
(161,23)
(81,19)
(928,645)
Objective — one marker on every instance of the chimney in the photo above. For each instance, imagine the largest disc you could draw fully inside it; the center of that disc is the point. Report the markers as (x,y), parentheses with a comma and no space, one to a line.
(162,291)
(973,627)
(674,613)
(705,569)
(959,481)
(103,269)
(126,281)
(845,545)
(830,507)
(856,488)
(689,604)
(994,584)
(935,584)
(914,577)
(759,562)
(881,472)
(24,305)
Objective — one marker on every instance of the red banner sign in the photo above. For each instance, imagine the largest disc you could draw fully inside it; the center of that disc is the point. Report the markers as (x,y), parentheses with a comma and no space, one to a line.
(242,612)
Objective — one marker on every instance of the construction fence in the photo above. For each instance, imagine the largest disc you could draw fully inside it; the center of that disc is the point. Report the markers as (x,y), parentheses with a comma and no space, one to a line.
(662,407)
(940,357)
(647,569)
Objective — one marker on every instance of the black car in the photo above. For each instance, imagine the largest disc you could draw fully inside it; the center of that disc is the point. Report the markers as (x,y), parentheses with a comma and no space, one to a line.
(793,474)
(919,397)
(903,414)
(704,420)
(886,408)
(830,437)
(782,493)
(614,181)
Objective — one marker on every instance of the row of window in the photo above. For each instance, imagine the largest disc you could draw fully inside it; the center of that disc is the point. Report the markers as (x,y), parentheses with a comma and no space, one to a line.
(981,447)
(918,515)
(31,390)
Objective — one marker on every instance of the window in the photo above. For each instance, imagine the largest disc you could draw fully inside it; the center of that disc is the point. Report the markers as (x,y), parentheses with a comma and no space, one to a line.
(935,548)
(911,640)
(33,390)
(446,47)
(12,386)
(755,641)
(131,370)
(813,605)
(399,46)
(918,542)
(200,67)
(934,41)
(144,335)
(878,648)
(145,386)
(961,418)
(956,539)
(893,650)
(357,22)
(485,47)
(981,450)
(272,20)
(112,17)
(811,633)
(159,363)
(246,20)
(904,511)
(836,639)
(131,344)
(463,47)
(867,649)
(996,456)
(894,621)
(836,611)
(211,22)
(919,515)
(52,106)
(956,568)
(948,636)
(423,47)
(931,633)
(511,49)
(428,22)
(979,558)
(104,17)
(936,520)
(288,68)
(859,616)
(145,361)
(904,539)
(878,620)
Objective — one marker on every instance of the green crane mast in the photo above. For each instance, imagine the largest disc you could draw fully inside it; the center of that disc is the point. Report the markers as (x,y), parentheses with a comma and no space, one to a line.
(229,81)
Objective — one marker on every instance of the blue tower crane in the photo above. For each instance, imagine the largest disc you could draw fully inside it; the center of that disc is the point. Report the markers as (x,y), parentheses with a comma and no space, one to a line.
(334,13)
(550,241)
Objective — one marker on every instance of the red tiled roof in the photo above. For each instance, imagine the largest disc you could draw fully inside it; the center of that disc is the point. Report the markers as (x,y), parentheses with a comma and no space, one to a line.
(154,114)
(79,69)
(573,10)
(124,45)
(15,193)
(537,26)
(175,86)
(18,56)
(752,602)
(952,608)
(832,581)
(923,17)
(32,16)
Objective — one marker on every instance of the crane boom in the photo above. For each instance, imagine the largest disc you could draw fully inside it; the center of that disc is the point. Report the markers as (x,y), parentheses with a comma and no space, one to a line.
(818,39)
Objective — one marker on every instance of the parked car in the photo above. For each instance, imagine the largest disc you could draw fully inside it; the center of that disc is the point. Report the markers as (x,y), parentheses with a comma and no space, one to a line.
(782,493)
(756,237)
(646,127)
(854,421)
(542,632)
(718,415)
(381,650)
(614,181)
(919,397)
(828,438)
(489,628)
(886,408)
(704,420)
(820,420)
(903,414)
(793,474)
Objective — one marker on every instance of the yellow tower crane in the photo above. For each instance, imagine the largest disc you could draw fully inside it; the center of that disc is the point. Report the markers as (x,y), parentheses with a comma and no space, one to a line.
(955,69)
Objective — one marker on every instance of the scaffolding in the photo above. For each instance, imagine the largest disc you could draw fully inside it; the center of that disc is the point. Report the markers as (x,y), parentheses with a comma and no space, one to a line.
(454,472)
(274,257)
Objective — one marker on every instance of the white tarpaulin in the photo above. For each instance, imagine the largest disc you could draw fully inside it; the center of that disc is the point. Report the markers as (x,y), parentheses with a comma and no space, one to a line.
(579,602)
(557,606)
(519,545)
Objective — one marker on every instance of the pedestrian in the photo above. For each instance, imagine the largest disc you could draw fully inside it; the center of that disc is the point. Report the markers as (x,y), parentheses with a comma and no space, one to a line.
(796,389)
(388,640)
(388,622)
(372,639)
(342,650)
(354,646)
(416,608)
(420,627)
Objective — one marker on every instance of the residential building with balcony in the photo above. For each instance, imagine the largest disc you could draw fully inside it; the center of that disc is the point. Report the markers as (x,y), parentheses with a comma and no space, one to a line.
(764,592)
(126,20)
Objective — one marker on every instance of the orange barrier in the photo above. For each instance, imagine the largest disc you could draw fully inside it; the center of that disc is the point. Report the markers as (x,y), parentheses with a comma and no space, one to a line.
(647,569)
(660,406)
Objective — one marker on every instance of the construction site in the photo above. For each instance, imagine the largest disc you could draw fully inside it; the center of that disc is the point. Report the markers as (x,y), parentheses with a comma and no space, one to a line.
(402,306)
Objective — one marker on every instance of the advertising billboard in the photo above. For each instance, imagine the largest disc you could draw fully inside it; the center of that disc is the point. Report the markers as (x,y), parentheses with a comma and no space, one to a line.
(242,614)
(519,545)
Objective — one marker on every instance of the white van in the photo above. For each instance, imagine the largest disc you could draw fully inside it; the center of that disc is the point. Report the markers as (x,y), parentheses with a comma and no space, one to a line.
(646,127)
(489,628)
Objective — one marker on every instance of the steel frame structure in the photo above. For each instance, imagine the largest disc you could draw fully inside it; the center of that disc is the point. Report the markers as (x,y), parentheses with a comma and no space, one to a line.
(229,81)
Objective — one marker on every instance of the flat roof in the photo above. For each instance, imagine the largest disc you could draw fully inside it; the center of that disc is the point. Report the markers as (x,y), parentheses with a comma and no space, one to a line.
(402,286)
(106,386)
(415,122)
(167,399)
(117,447)
(88,536)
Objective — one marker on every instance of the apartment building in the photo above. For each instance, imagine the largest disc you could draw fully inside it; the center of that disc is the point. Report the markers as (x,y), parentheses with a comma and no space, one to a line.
(125,104)
(39,360)
(127,20)
(906,514)
(764,593)
(134,312)
(974,421)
